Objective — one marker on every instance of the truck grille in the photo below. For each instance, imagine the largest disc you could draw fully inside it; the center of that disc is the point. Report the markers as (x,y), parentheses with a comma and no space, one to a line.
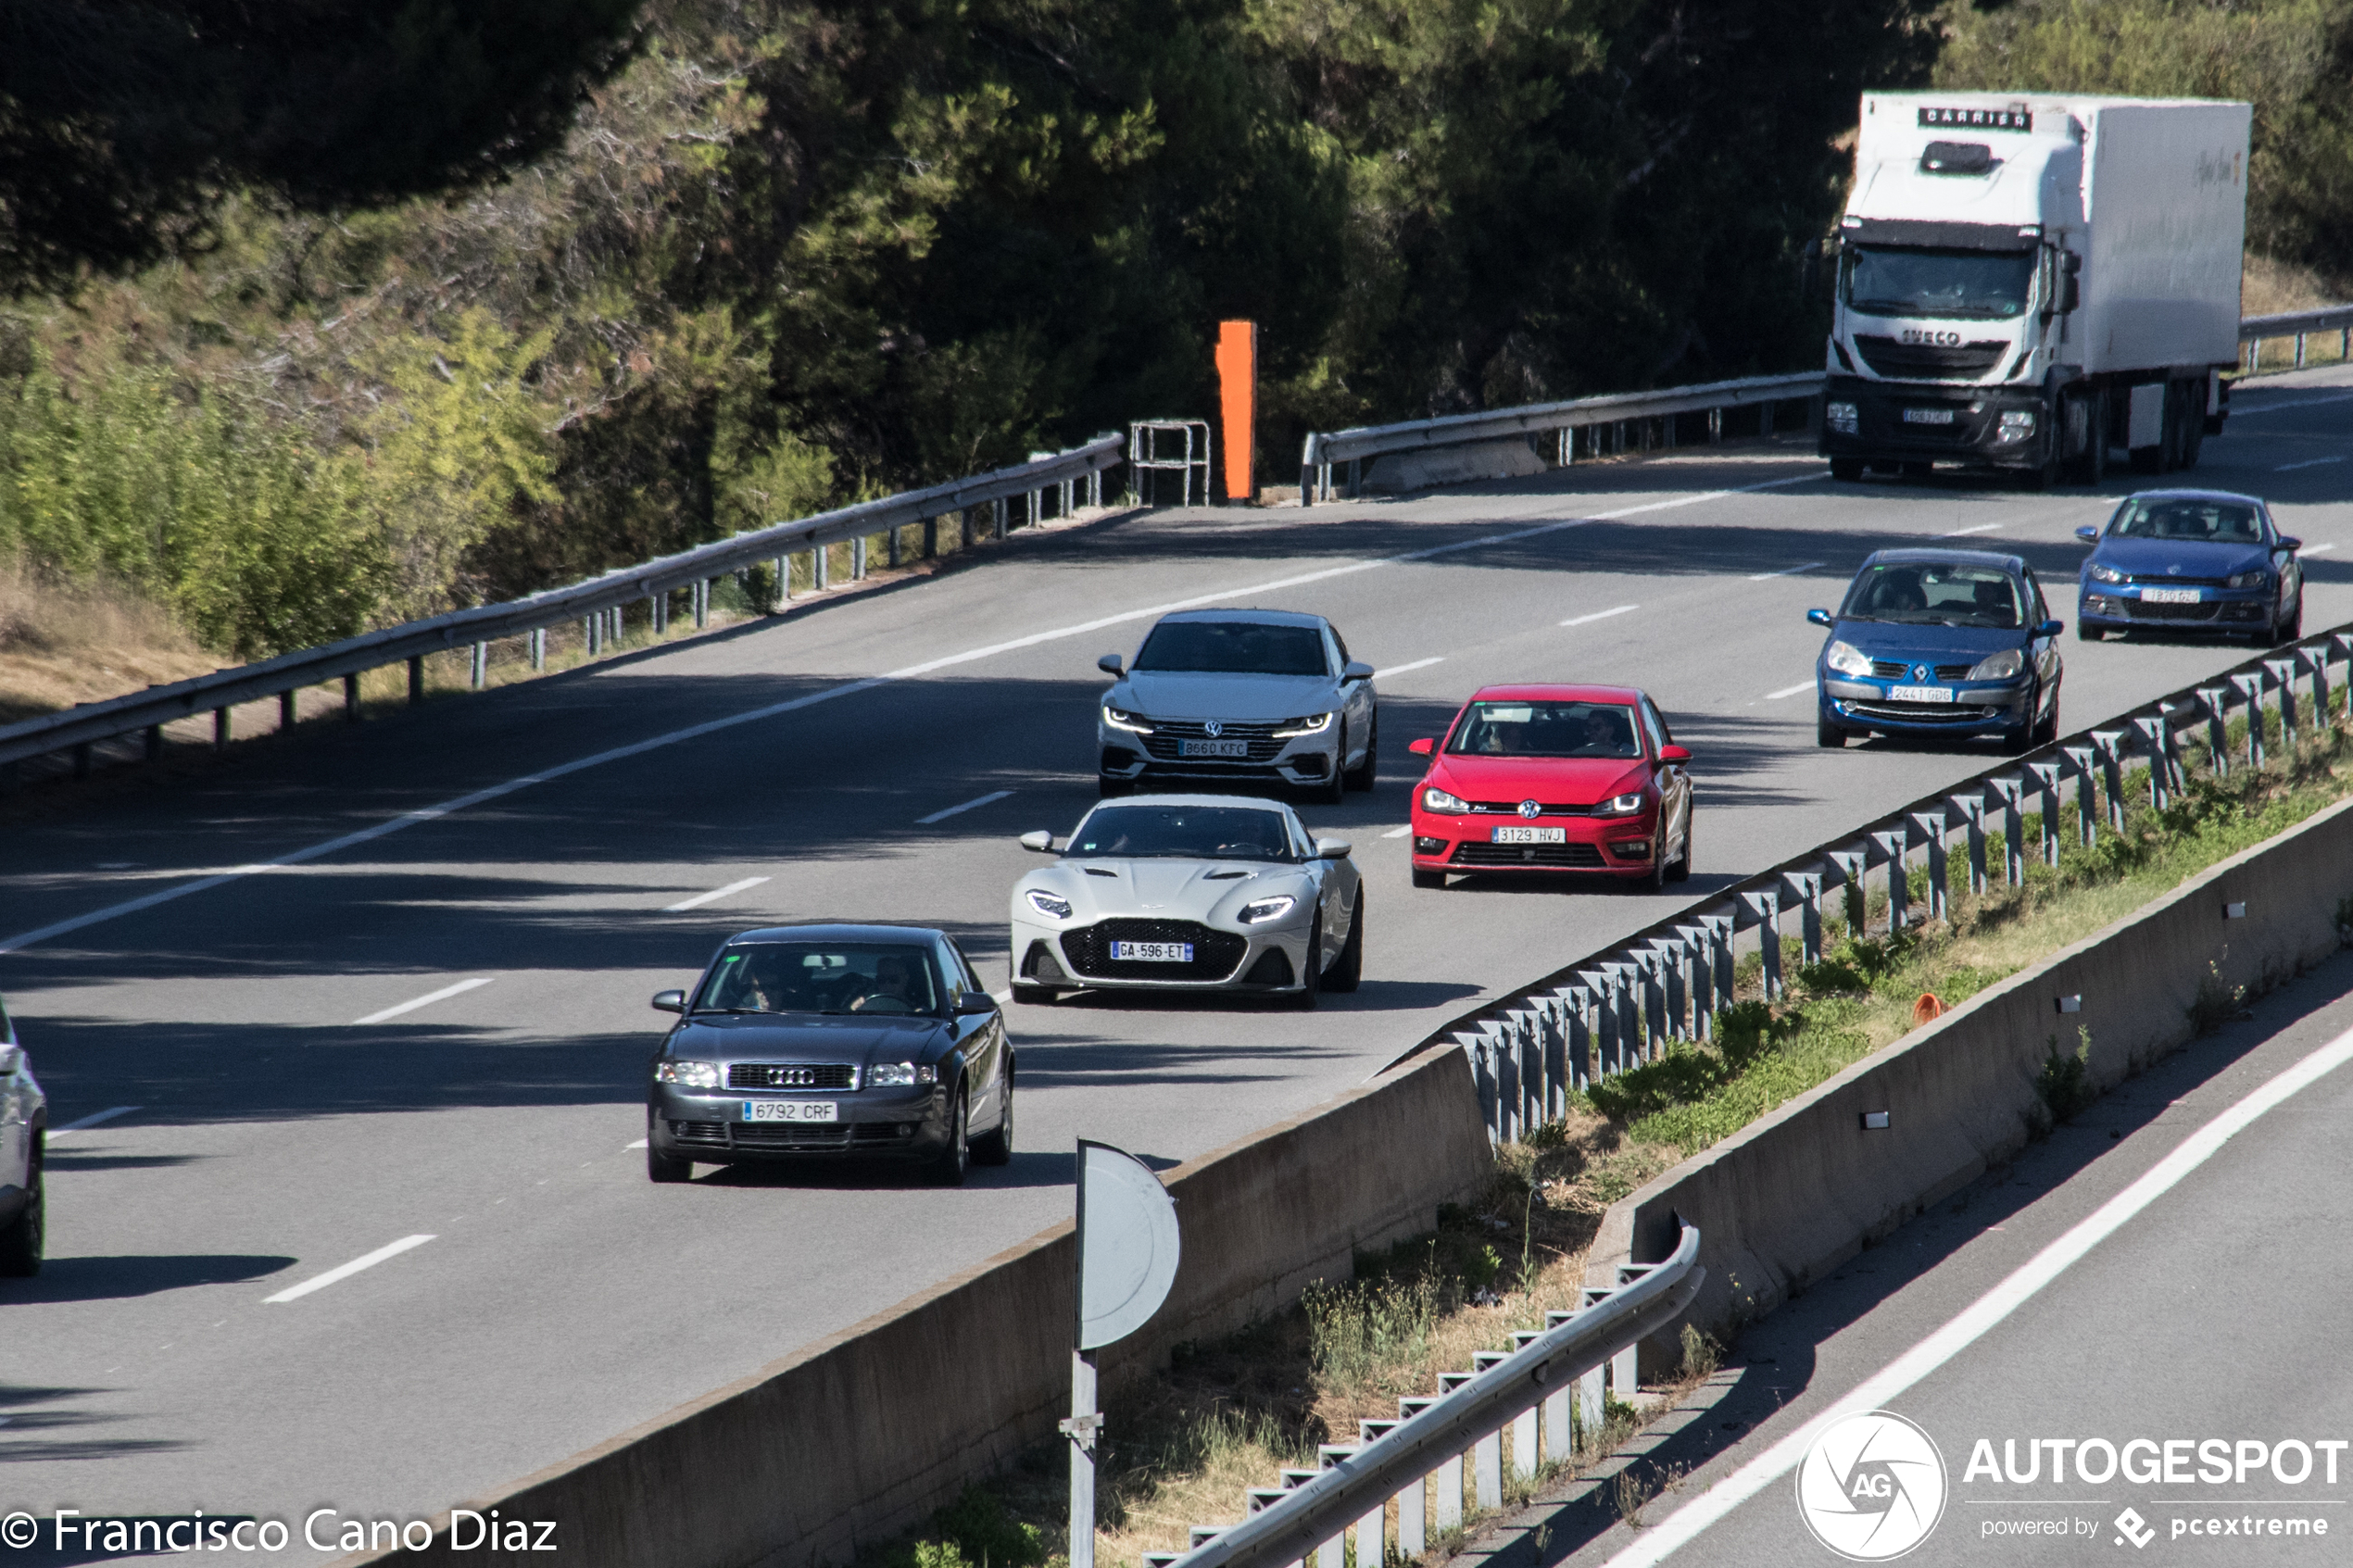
(785,1076)
(1217,954)
(1576,856)
(1927,361)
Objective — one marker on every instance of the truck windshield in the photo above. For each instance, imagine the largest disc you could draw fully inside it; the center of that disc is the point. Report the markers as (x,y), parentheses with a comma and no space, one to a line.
(1962,284)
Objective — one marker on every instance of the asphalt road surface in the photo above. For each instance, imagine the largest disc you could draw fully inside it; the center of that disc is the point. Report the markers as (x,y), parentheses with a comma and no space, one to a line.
(432,1031)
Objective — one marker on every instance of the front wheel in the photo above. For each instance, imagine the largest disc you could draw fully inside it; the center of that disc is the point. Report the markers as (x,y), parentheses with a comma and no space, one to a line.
(1828,735)
(666,1168)
(1035,996)
(1360,777)
(1847,471)
(1350,967)
(1312,980)
(2046,732)
(2291,629)
(1423,878)
(2088,634)
(947,1168)
(1333,790)
(996,1146)
(22,1242)
(1681,869)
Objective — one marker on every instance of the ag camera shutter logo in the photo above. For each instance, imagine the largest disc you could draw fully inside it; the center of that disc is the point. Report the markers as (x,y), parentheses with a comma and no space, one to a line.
(1872,1487)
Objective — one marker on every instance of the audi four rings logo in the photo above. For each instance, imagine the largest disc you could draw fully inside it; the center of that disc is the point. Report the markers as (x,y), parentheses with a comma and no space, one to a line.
(1872,1487)
(1214,729)
(1529,809)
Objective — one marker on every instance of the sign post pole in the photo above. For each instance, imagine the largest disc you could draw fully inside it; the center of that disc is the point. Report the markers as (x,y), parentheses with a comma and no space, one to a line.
(1127,1250)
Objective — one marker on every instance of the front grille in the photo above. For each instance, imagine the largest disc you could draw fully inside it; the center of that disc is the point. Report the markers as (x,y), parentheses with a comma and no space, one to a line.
(792,1134)
(1924,712)
(712,1133)
(1577,857)
(2172,582)
(1164,742)
(1889,670)
(782,1075)
(1928,361)
(1543,808)
(1217,954)
(1954,671)
(2141,609)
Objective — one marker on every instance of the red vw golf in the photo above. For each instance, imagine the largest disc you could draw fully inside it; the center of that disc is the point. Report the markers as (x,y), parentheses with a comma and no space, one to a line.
(1555,779)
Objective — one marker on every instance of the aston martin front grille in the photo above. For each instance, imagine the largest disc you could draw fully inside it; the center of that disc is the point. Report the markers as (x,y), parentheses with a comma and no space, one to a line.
(1217,954)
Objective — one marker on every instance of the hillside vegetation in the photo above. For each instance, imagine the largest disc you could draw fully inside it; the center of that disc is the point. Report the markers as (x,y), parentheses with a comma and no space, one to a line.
(779,255)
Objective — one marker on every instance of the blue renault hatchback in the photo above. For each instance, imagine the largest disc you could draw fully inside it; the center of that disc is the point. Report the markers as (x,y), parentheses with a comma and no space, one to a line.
(2191,560)
(1930,642)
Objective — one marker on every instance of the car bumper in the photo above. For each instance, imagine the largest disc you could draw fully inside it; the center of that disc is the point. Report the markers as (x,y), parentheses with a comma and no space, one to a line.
(1074,957)
(1619,847)
(710,1125)
(1304,760)
(1882,435)
(2219,610)
(1865,705)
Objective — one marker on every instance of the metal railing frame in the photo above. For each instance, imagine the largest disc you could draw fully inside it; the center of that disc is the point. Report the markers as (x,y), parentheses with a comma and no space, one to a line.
(1623,1005)
(598,602)
(1311,1521)
(2299,325)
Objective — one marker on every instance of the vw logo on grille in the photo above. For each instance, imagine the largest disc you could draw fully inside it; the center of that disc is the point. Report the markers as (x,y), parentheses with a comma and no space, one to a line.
(1919,672)
(1529,809)
(1214,729)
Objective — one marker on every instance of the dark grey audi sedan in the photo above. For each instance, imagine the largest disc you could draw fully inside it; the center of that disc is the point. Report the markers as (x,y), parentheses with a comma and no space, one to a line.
(813,1040)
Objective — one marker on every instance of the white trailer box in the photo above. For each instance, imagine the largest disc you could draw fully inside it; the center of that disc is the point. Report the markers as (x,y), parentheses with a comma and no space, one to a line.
(2027,280)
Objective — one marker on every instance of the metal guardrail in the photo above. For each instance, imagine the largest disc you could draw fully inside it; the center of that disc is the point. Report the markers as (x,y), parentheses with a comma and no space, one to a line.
(1620,1006)
(2299,325)
(1313,1520)
(1609,412)
(78,728)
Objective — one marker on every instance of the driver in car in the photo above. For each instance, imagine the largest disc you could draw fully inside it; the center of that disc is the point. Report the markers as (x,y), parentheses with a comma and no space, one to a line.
(892,990)
(1607,733)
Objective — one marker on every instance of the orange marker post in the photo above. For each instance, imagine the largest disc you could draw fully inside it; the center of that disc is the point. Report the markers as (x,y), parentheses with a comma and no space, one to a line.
(1238,401)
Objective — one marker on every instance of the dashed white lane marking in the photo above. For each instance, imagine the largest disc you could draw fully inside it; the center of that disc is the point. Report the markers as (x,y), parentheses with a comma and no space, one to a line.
(321,1282)
(1785,572)
(1965,532)
(627,1146)
(1599,615)
(413,1003)
(2306,463)
(699,899)
(673,739)
(92,1119)
(975,802)
(1399,832)
(1983,1314)
(2317,550)
(1401,669)
(1789,691)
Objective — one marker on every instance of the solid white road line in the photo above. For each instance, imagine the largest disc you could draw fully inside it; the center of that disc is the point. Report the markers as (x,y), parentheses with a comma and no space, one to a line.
(1786,571)
(321,1282)
(426,1000)
(699,899)
(969,805)
(851,688)
(92,1119)
(1401,669)
(1598,615)
(2306,463)
(1980,1316)
(2291,403)
(1965,532)
(1399,832)
(1789,691)
(627,1146)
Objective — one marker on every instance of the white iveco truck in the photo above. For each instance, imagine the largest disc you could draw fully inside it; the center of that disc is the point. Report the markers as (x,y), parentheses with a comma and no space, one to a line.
(2028,281)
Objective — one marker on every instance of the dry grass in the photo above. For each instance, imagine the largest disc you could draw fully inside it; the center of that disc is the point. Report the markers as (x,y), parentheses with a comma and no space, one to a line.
(63,644)
(2269,288)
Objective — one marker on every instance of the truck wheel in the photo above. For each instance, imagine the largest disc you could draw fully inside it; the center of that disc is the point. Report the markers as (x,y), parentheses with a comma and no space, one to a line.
(2090,466)
(1847,471)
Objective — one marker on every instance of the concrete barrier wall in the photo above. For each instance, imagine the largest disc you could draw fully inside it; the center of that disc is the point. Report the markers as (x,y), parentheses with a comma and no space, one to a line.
(1798,1192)
(857,1437)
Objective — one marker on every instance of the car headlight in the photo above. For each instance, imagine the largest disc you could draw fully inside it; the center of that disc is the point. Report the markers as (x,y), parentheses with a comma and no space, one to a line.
(1261,909)
(2256,579)
(2016,424)
(1841,418)
(1131,723)
(1437,799)
(2005,665)
(1846,658)
(687,1074)
(1620,806)
(2101,573)
(899,1075)
(1313,724)
(1050,905)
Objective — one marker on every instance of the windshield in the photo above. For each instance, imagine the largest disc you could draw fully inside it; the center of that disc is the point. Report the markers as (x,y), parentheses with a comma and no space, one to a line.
(1545,729)
(1193,832)
(828,977)
(1965,284)
(1233,648)
(1936,593)
(2204,521)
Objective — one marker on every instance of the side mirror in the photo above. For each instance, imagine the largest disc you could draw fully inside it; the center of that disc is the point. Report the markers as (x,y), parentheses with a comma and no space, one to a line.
(670,1001)
(1357,670)
(1333,848)
(2050,628)
(1039,843)
(971,1003)
(1674,754)
(1820,618)
(1110,665)
(1422,747)
(2291,544)
(2089,534)
(2070,294)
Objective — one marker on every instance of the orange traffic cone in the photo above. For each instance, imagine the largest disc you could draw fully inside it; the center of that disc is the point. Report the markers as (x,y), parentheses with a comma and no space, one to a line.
(1927,1009)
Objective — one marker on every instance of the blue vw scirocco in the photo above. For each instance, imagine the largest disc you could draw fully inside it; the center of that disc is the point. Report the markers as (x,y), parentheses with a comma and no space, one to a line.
(1928,642)
(2191,560)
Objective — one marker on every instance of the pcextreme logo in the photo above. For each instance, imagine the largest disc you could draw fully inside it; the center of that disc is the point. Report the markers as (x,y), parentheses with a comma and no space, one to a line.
(1872,1487)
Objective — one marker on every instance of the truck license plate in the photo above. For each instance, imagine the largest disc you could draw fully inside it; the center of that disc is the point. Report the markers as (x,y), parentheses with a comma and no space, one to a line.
(1928,416)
